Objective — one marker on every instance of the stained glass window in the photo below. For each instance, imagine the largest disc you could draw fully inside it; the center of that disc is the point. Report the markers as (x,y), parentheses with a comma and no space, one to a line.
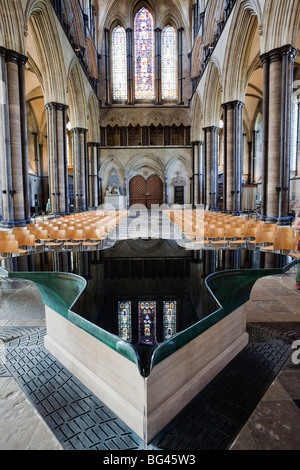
(119,64)
(147,322)
(169,318)
(124,315)
(144,56)
(169,63)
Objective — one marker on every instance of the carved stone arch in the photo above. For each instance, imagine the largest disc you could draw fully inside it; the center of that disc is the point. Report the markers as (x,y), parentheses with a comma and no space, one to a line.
(93,118)
(237,55)
(172,18)
(150,5)
(116,21)
(112,162)
(146,160)
(32,67)
(183,160)
(196,119)
(179,118)
(276,15)
(212,97)
(78,109)
(133,119)
(156,119)
(111,118)
(42,26)
(197,57)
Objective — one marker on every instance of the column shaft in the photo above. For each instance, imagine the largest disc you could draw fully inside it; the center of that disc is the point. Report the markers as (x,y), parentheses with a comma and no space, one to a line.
(211,166)
(233,154)
(13,138)
(57,158)
(278,68)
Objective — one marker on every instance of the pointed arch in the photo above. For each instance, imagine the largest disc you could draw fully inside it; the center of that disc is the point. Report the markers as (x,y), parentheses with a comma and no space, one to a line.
(212,97)
(196,119)
(93,118)
(239,47)
(42,28)
(78,109)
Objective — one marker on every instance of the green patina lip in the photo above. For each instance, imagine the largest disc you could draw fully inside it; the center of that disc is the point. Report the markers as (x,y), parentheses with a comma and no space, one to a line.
(230,289)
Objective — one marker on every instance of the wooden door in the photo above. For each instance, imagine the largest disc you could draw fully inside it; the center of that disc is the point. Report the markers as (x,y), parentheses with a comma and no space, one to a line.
(154,191)
(137,190)
(145,192)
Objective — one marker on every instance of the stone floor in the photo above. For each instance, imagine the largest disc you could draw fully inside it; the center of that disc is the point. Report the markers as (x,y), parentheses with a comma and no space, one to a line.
(272,311)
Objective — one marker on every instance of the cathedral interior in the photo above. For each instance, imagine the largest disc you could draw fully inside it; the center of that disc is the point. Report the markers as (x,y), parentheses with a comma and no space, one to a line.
(177,104)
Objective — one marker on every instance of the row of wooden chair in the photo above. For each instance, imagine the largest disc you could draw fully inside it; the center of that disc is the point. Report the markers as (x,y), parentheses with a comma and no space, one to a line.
(209,229)
(84,231)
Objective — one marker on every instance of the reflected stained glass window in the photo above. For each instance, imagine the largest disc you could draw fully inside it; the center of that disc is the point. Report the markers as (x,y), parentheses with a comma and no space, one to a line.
(124,315)
(169,63)
(144,56)
(147,322)
(119,64)
(169,318)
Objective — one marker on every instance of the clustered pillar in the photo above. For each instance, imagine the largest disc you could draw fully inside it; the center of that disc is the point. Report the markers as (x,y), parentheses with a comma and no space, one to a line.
(13,138)
(57,157)
(80,169)
(233,155)
(211,166)
(278,68)
(93,168)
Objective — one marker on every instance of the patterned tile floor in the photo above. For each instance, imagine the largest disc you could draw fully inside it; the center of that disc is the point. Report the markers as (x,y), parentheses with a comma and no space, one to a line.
(80,421)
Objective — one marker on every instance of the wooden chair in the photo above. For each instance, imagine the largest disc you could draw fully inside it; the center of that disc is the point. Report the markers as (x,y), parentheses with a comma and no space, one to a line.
(265,239)
(10,247)
(216,236)
(285,241)
(234,236)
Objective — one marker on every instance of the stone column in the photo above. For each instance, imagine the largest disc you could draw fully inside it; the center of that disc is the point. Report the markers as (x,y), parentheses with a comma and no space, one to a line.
(278,66)
(107,65)
(158,65)
(233,152)
(180,67)
(195,173)
(130,68)
(298,141)
(80,168)
(57,157)
(13,138)
(250,172)
(93,189)
(211,166)
(201,195)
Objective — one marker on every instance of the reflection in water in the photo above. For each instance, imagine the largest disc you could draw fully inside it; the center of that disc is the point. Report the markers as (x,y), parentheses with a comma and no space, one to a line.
(145,291)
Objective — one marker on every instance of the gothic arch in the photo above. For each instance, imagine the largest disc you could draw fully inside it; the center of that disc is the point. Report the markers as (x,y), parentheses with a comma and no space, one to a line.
(156,119)
(145,160)
(78,109)
(48,49)
(183,160)
(179,118)
(12,26)
(110,118)
(239,46)
(196,118)
(212,97)
(277,14)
